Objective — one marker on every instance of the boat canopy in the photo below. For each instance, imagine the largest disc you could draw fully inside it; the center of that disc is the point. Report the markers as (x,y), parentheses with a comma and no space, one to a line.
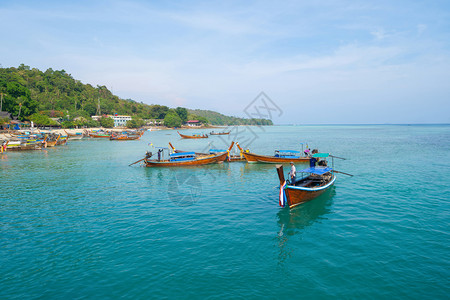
(182,154)
(287,151)
(321,155)
(317,170)
(217,150)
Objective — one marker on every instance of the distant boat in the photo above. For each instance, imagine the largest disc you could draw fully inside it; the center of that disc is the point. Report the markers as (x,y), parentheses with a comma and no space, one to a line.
(75,136)
(99,134)
(280,156)
(319,180)
(219,133)
(126,136)
(195,136)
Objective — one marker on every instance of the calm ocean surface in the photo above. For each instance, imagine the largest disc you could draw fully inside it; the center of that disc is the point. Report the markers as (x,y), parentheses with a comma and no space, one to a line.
(77,222)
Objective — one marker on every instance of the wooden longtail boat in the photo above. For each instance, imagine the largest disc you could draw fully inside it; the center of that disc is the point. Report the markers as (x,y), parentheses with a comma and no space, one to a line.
(182,151)
(230,158)
(195,136)
(319,180)
(124,137)
(76,136)
(22,145)
(183,159)
(104,135)
(53,143)
(219,133)
(281,156)
(62,140)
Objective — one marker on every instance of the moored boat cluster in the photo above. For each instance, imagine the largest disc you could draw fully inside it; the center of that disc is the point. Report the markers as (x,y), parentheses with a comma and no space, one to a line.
(37,140)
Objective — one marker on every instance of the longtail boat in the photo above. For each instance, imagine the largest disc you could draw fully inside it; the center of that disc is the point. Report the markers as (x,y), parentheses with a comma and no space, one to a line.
(75,136)
(182,151)
(51,143)
(280,156)
(219,133)
(230,157)
(62,140)
(319,180)
(183,159)
(195,136)
(104,135)
(23,145)
(124,137)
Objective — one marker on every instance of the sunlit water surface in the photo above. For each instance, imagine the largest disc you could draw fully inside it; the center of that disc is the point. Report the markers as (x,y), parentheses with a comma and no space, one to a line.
(76,221)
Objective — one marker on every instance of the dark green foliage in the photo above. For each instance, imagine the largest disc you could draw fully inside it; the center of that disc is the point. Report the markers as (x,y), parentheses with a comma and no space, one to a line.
(67,124)
(182,113)
(41,120)
(29,90)
(135,123)
(216,118)
(90,123)
(17,100)
(4,121)
(172,119)
(158,112)
(106,122)
(59,91)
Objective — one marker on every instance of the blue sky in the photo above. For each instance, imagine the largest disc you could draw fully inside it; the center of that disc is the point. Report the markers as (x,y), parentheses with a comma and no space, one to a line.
(334,62)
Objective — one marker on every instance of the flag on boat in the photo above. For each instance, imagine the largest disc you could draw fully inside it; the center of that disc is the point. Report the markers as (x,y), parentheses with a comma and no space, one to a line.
(282,198)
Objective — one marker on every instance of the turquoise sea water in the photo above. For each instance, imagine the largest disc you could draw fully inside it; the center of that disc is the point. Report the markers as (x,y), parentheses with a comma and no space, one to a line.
(77,222)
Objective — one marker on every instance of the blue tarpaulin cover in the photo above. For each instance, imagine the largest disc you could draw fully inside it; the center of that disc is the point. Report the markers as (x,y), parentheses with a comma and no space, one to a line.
(287,151)
(182,158)
(317,170)
(182,154)
(217,150)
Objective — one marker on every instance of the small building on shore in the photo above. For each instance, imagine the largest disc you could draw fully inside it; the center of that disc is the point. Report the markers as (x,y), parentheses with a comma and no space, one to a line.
(193,123)
(119,120)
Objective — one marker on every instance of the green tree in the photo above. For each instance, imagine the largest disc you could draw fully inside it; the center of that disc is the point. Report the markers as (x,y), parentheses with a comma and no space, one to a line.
(172,119)
(90,108)
(182,113)
(135,123)
(158,111)
(67,124)
(4,121)
(91,123)
(41,120)
(106,122)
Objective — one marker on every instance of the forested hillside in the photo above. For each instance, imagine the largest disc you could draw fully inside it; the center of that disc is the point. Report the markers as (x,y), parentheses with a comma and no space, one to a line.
(27,91)
(220,119)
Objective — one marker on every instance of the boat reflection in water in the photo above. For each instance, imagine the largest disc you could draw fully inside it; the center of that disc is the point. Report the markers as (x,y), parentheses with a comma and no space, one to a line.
(295,220)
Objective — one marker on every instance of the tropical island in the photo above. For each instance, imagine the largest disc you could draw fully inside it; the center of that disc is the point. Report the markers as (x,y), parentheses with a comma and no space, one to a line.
(55,99)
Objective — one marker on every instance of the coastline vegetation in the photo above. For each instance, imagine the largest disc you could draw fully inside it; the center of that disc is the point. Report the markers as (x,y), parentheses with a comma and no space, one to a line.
(43,97)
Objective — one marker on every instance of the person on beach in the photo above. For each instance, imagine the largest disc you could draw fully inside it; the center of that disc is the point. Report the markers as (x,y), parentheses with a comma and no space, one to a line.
(292,173)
